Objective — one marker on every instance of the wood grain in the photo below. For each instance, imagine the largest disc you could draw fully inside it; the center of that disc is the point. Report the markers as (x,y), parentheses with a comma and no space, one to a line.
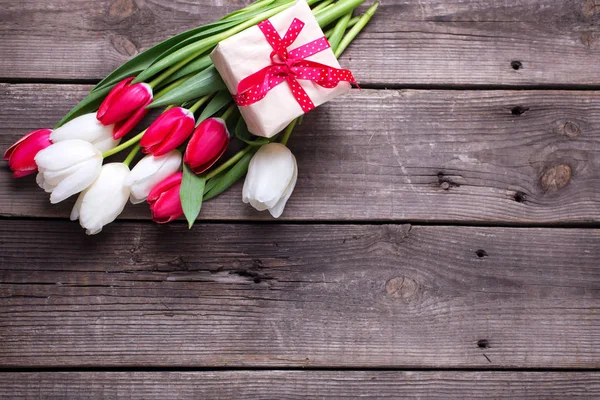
(484,156)
(283,385)
(429,42)
(298,295)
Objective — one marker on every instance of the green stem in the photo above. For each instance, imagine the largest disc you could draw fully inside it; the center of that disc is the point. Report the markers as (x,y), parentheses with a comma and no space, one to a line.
(199,103)
(158,80)
(125,145)
(193,50)
(172,86)
(228,163)
(196,49)
(322,6)
(351,23)
(334,12)
(288,132)
(228,112)
(338,30)
(356,29)
(132,155)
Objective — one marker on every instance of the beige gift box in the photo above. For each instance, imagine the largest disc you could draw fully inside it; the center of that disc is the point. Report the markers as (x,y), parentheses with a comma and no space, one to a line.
(248,52)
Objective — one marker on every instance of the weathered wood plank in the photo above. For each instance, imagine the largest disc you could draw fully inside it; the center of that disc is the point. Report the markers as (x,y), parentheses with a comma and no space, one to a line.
(432,42)
(298,295)
(393,155)
(283,385)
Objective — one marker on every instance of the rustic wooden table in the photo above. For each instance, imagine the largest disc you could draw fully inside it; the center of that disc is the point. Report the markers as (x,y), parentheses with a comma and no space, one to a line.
(442,240)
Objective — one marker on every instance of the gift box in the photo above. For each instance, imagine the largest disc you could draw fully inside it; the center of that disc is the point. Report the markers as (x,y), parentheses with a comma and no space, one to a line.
(280,69)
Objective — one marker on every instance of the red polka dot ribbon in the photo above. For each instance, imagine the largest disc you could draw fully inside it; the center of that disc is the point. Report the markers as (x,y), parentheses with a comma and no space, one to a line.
(290,66)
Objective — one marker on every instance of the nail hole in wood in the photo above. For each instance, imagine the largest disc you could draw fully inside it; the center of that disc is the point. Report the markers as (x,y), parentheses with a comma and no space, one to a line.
(483,344)
(516,65)
(519,110)
(481,253)
(519,197)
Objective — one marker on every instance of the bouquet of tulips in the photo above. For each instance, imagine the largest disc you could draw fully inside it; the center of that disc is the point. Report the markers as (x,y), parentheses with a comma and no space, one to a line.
(183,146)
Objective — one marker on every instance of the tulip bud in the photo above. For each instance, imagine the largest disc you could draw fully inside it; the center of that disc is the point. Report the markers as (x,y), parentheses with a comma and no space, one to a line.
(271,179)
(102,202)
(207,145)
(88,128)
(21,155)
(125,106)
(67,168)
(164,200)
(149,172)
(168,132)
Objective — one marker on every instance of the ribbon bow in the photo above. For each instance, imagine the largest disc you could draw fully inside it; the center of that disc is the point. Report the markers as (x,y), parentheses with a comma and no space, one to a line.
(290,66)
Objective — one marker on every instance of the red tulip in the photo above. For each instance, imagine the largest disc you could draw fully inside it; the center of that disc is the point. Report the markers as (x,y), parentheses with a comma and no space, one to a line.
(168,132)
(164,199)
(21,155)
(208,143)
(125,106)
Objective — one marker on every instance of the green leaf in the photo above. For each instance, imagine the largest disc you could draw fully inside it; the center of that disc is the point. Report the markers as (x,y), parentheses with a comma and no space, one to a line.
(220,101)
(148,57)
(210,184)
(191,68)
(197,48)
(191,193)
(205,82)
(87,105)
(242,133)
(224,181)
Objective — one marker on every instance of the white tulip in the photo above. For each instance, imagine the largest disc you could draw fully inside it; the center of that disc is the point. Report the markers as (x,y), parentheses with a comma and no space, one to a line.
(101,203)
(149,172)
(68,167)
(271,179)
(88,128)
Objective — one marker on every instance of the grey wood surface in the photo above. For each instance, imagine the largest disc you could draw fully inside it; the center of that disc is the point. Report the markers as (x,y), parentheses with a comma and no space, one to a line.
(425,42)
(284,295)
(497,124)
(410,155)
(284,385)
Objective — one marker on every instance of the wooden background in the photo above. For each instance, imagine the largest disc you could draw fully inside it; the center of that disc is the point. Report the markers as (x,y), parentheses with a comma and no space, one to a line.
(443,240)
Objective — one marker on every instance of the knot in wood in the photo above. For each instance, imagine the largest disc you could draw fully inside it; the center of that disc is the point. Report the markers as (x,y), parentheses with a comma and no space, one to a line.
(571,129)
(124,46)
(121,9)
(401,287)
(588,38)
(555,178)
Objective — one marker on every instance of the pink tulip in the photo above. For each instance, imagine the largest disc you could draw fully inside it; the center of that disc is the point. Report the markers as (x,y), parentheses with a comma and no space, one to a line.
(168,132)
(208,143)
(125,106)
(164,199)
(21,155)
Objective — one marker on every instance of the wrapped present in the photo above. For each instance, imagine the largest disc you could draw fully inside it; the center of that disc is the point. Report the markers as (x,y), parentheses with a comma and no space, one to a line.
(280,69)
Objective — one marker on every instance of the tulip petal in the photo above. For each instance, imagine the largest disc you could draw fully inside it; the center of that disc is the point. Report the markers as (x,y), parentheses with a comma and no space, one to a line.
(42,182)
(167,207)
(76,182)
(269,175)
(278,208)
(77,206)
(21,155)
(107,144)
(166,184)
(105,199)
(149,172)
(208,143)
(65,154)
(85,127)
(123,127)
(111,97)
(179,134)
